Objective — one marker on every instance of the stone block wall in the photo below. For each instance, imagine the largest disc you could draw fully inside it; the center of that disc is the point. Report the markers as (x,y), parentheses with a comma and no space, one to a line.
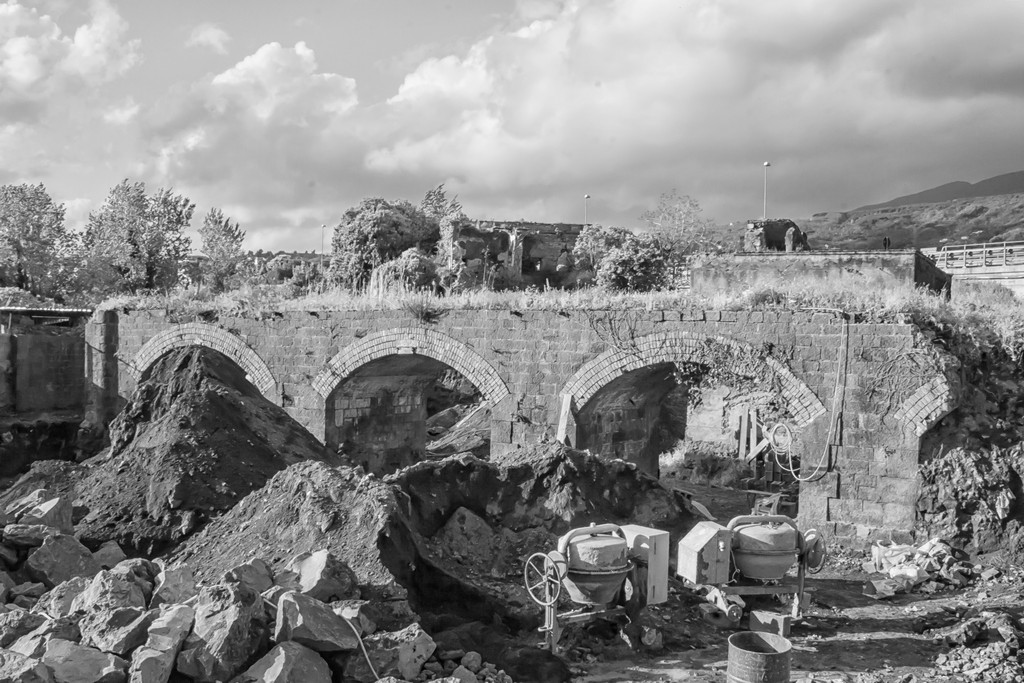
(874,269)
(859,445)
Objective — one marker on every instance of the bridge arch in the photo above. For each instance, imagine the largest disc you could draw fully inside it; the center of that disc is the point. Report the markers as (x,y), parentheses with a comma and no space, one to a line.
(203,334)
(377,393)
(611,382)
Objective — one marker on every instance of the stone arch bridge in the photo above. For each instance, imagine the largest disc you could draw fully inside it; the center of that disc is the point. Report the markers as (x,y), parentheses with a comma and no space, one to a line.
(855,394)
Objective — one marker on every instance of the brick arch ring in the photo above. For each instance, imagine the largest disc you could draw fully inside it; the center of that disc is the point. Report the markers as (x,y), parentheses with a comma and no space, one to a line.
(413,340)
(668,347)
(202,334)
(931,402)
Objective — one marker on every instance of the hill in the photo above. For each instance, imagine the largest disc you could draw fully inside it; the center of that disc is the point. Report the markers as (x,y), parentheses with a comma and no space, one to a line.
(993,218)
(1008,183)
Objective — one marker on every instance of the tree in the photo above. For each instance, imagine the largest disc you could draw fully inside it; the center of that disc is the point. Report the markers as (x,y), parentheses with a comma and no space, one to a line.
(136,241)
(222,243)
(638,264)
(375,232)
(677,222)
(450,220)
(35,246)
(594,242)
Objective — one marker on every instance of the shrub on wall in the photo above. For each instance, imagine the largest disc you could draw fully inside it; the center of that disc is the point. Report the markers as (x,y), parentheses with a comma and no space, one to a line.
(639,264)
(375,232)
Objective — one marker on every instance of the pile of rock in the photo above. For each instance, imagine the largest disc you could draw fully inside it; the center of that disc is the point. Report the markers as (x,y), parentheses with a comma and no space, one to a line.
(986,648)
(73,616)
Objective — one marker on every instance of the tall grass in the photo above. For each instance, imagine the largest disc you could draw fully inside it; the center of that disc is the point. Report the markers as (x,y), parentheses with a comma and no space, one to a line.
(979,316)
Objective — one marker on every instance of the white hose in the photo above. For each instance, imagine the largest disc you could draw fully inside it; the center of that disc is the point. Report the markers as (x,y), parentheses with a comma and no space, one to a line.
(784,446)
(363,648)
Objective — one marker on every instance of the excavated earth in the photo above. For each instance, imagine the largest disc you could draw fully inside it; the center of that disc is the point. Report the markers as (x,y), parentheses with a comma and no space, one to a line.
(194,439)
(203,470)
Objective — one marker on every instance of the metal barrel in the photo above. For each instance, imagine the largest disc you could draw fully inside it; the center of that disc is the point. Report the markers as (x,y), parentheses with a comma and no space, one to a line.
(756,657)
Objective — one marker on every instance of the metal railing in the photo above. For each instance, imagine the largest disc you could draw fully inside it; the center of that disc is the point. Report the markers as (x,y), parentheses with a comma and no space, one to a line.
(986,254)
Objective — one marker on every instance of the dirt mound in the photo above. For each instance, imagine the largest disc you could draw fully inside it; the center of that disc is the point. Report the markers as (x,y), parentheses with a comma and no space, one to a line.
(424,529)
(303,508)
(194,439)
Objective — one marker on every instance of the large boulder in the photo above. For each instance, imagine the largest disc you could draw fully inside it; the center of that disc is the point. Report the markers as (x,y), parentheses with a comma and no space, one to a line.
(17,508)
(27,535)
(16,623)
(173,585)
(229,629)
(57,602)
(154,661)
(313,624)
(399,653)
(15,668)
(55,512)
(320,575)
(109,555)
(33,644)
(255,574)
(139,571)
(117,631)
(108,591)
(71,663)
(287,663)
(60,558)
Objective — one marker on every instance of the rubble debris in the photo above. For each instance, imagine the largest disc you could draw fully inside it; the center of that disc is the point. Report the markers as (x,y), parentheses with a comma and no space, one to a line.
(20,669)
(154,661)
(59,559)
(288,662)
(308,621)
(927,568)
(973,499)
(72,663)
(230,627)
(985,648)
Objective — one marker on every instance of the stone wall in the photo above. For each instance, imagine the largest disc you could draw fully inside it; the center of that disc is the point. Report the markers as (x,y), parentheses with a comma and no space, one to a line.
(879,270)
(42,372)
(858,396)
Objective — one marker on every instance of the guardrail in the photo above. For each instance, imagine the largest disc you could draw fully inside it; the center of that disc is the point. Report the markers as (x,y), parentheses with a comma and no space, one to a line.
(987,254)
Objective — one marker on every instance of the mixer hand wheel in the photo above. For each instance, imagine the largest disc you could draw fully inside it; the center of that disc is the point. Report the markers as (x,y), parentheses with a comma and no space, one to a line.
(542,579)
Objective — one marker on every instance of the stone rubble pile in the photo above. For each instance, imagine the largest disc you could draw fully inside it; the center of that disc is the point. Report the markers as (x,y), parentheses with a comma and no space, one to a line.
(985,648)
(929,568)
(68,615)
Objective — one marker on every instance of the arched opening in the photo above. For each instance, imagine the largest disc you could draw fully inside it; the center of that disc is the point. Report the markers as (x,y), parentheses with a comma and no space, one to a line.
(396,410)
(255,369)
(635,403)
(628,417)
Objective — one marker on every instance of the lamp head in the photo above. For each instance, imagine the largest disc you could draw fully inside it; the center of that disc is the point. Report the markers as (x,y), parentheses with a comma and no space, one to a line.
(767,164)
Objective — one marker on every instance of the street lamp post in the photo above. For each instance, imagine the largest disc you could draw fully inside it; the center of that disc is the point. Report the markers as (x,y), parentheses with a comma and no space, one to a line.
(322,227)
(585,198)
(764,207)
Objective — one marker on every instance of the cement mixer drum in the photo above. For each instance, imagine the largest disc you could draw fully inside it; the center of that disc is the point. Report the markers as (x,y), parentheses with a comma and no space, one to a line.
(765,551)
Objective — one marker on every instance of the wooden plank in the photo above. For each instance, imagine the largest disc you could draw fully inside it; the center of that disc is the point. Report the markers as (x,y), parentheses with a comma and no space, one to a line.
(744,426)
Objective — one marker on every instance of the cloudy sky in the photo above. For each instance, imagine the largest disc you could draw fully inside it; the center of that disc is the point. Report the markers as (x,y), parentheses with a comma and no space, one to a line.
(286,114)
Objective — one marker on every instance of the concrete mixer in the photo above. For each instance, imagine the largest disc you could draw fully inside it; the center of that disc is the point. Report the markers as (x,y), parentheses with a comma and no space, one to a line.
(752,555)
(605,569)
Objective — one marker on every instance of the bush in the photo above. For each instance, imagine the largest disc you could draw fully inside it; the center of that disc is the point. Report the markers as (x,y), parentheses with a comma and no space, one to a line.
(639,264)
(375,232)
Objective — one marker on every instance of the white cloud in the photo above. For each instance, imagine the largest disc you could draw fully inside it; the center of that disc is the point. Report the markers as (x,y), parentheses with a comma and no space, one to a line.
(39,62)
(210,36)
(621,99)
(123,113)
